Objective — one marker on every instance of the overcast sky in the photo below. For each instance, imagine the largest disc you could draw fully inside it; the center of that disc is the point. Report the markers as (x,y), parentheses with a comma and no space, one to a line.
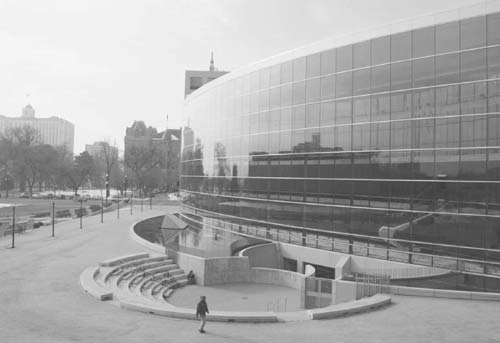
(102,64)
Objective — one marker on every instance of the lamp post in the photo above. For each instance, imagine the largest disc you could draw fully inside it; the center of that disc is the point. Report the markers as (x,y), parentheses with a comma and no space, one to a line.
(13,224)
(118,212)
(81,213)
(53,217)
(102,210)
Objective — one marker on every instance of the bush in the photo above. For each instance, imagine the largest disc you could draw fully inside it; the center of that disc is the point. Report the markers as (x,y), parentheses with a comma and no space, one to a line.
(63,214)
(95,208)
(80,212)
(37,225)
(41,215)
(107,204)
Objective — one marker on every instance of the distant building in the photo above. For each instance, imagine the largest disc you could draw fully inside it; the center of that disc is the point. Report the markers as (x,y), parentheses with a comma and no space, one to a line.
(95,149)
(197,78)
(53,130)
(167,143)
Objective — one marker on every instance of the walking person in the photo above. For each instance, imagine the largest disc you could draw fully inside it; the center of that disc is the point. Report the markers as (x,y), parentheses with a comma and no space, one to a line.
(201,312)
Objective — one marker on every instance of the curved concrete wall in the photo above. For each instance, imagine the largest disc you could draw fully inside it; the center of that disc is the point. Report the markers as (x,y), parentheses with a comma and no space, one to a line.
(263,255)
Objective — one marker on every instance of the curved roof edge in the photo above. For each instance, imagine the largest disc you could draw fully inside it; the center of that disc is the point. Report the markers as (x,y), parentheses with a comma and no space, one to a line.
(412,23)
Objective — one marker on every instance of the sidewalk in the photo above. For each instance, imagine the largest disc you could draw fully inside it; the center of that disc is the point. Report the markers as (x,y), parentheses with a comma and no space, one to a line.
(41,301)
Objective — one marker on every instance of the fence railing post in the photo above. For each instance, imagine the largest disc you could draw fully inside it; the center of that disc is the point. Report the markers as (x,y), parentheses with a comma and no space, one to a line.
(118,212)
(102,210)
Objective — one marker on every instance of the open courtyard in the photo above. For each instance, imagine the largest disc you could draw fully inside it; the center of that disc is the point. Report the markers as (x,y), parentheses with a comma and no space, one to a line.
(43,302)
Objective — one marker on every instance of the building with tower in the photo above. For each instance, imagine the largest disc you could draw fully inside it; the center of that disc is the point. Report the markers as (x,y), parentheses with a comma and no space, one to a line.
(194,79)
(53,130)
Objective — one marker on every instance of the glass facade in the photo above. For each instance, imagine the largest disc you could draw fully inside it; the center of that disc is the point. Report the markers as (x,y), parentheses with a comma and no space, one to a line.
(387,148)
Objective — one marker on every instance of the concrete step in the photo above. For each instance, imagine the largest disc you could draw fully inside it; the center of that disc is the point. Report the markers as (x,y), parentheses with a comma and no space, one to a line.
(122,259)
(133,264)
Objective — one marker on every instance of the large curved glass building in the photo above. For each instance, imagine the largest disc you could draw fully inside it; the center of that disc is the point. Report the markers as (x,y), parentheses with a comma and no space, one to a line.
(383,144)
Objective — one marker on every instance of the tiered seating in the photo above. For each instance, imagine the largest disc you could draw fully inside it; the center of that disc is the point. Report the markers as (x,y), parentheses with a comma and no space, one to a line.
(137,275)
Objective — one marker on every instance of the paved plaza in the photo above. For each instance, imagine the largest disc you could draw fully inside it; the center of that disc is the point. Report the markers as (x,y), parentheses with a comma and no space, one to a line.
(41,301)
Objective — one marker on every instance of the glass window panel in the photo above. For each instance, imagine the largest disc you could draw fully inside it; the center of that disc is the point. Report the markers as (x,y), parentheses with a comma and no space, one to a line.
(326,140)
(275,98)
(381,52)
(286,118)
(328,87)
(312,115)
(473,65)
(274,143)
(473,32)
(446,167)
(362,54)
(447,69)
(494,63)
(327,113)
(473,131)
(286,95)
(286,72)
(344,58)
(493,33)
(313,67)
(254,81)
(285,141)
(313,90)
(361,137)
(299,92)
(361,112)
(263,121)
(311,140)
(401,105)
(254,123)
(448,100)
(254,102)
(494,132)
(401,75)
(298,141)
(473,98)
(343,85)
(447,37)
(343,112)
(298,117)
(274,120)
(342,138)
(447,132)
(423,42)
(424,134)
(423,103)
(264,78)
(423,168)
(379,136)
(494,96)
(401,135)
(275,75)
(380,107)
(264,100)
(361,81)
(328,62)
(299,69)
(423,72)
(401,46)
(380,79)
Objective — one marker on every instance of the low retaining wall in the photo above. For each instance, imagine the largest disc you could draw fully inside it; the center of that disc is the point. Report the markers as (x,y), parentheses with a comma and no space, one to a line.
(280,277)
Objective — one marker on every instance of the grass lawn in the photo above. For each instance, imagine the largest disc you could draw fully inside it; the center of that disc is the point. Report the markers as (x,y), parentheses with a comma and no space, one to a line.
(26,207)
